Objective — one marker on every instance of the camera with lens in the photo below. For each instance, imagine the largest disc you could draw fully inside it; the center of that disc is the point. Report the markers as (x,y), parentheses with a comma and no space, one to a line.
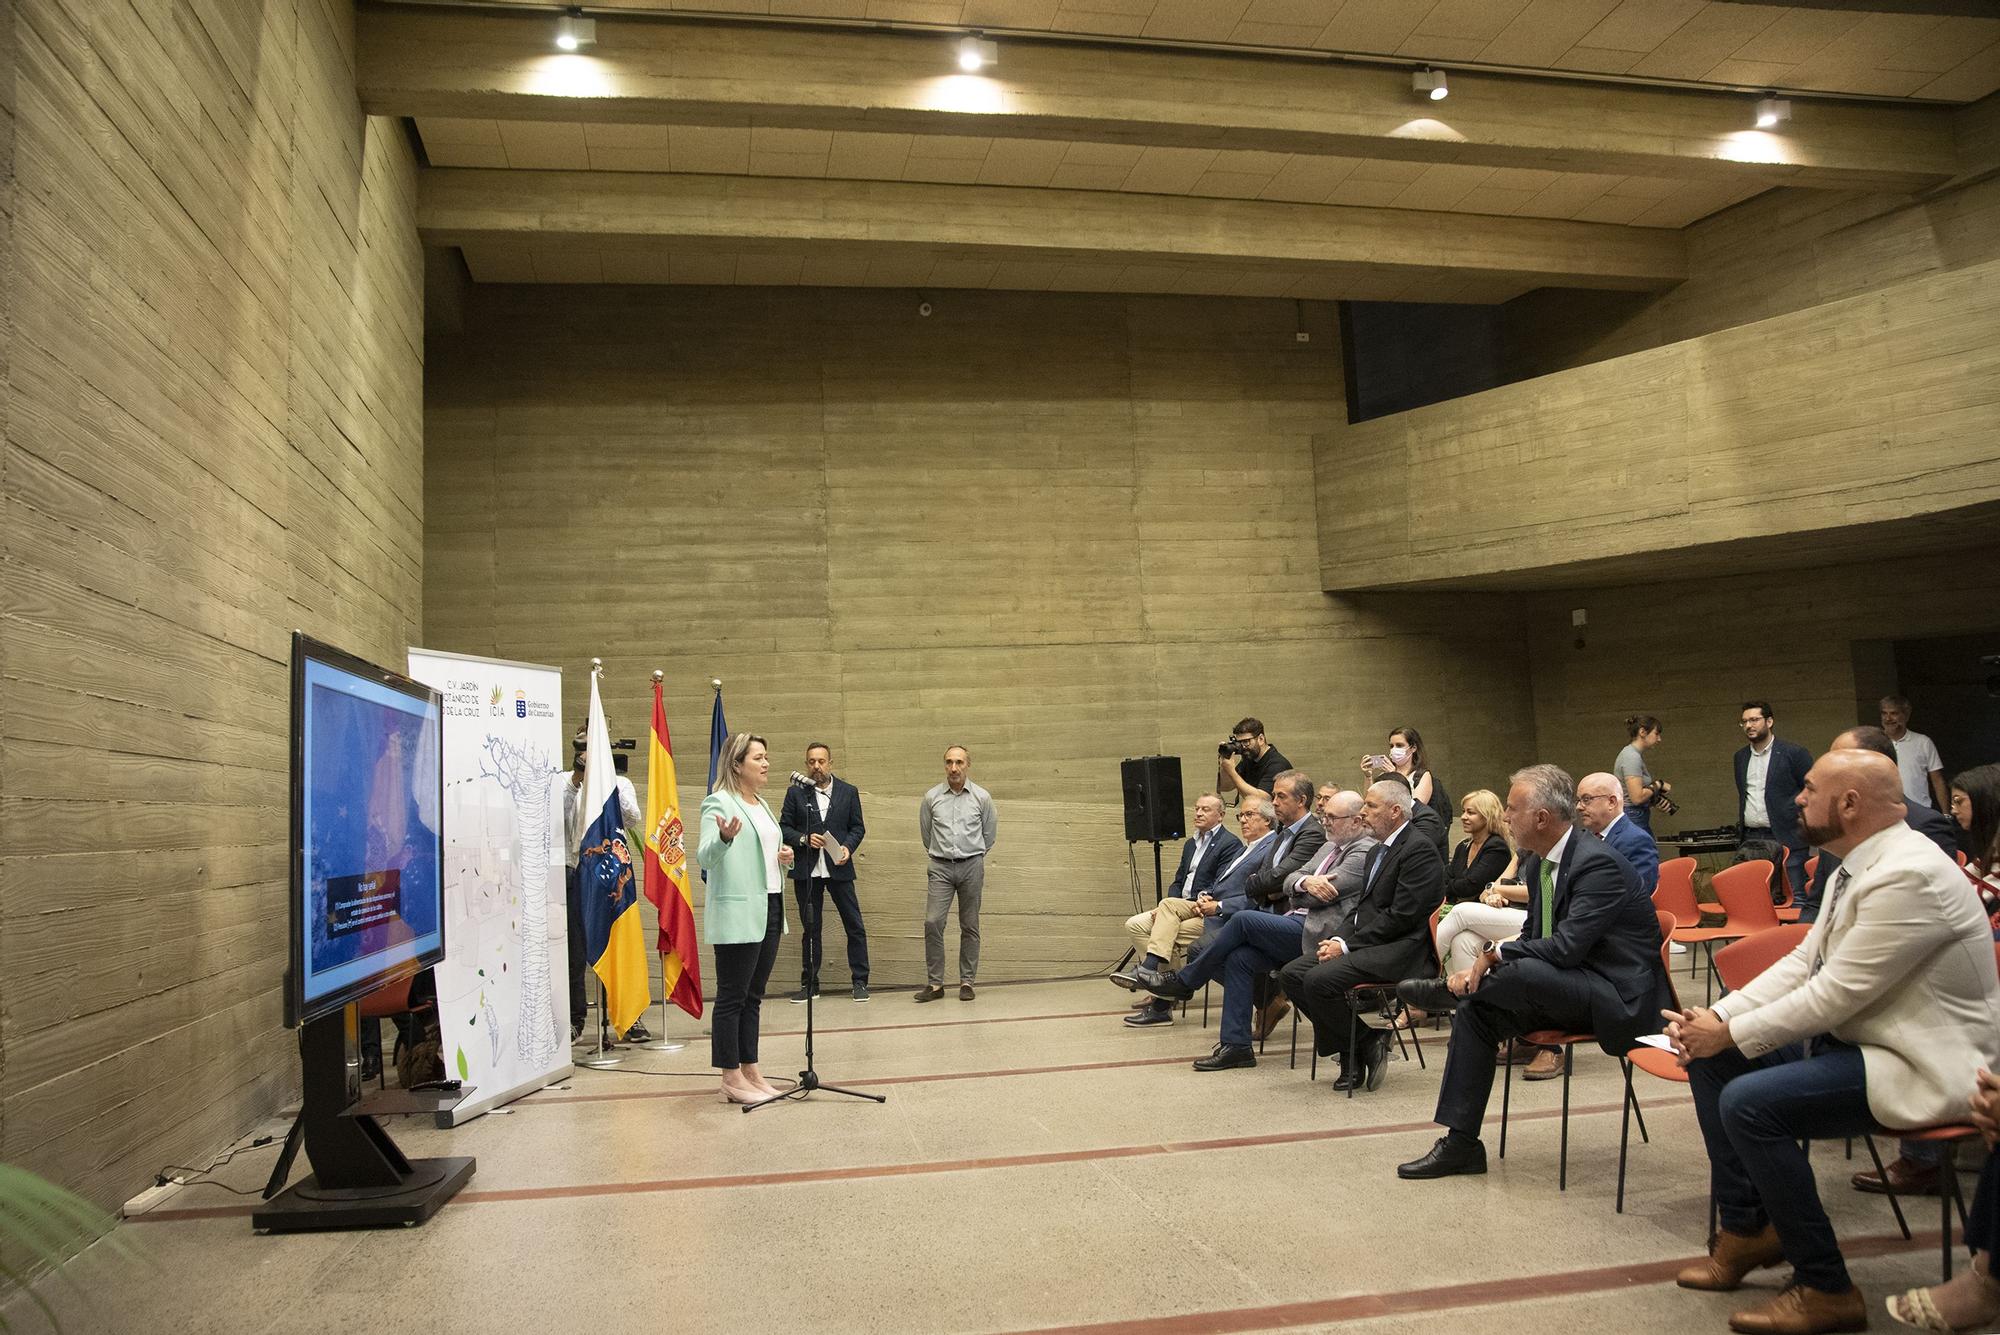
(1230,747)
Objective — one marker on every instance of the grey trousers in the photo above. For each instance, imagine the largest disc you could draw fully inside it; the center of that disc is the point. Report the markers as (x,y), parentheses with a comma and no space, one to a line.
(965,880)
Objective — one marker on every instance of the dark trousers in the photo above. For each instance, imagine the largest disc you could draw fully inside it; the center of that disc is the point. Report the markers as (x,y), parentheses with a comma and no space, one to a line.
(810,892)
(1245,948)
(741,971)
(579,958)
(1320,988)
(1514,999)
(1982,1222)
(1753,1114)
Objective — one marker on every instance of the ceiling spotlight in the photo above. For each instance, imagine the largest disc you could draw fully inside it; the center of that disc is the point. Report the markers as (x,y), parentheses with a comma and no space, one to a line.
(976,53)
(574,32)
(1772,110)
(1430,83)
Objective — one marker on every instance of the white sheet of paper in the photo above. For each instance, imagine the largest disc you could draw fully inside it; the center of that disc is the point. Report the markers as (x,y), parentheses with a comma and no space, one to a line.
(1660,1041)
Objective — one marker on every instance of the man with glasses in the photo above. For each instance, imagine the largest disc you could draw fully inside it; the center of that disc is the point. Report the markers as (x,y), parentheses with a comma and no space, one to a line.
(1247,765)
(1600,805)
(1769,777)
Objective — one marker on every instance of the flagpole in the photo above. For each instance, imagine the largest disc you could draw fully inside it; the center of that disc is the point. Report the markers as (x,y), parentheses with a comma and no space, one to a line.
(665,1044)
(602,1059)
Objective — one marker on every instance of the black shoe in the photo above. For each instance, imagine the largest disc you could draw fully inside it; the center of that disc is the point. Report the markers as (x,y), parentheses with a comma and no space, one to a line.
(1150,1016)
(1144,976)
(1353,1075)
(800,997)
(861,991)
(1225,1057)
(1427,994)
(371,1069)
(1170,986)
(638,1033)
(1126,981)
(1375,1060)
(931,993)
(1448,1158)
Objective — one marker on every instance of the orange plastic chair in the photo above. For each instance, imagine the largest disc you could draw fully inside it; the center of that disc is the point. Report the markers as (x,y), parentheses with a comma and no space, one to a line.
(1745,892)
(1557,1038)
(1653,1061)
(1739,962)
(1789,908)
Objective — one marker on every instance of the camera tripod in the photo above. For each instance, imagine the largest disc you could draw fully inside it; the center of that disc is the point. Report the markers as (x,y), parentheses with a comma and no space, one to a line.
(809,1078)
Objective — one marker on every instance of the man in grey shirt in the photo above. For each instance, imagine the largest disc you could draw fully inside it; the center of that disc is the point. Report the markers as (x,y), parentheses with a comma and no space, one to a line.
(957,825)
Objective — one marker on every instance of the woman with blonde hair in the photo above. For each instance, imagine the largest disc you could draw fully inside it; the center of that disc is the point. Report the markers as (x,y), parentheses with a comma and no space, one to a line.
(1483,911)
(744,854)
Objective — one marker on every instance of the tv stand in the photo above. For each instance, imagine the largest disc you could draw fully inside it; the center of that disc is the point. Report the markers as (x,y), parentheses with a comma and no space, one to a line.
(359,1178)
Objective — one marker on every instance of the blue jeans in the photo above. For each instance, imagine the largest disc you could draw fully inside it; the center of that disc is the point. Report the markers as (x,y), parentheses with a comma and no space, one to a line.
(1753,1113)
(1250,943)
(1640,816)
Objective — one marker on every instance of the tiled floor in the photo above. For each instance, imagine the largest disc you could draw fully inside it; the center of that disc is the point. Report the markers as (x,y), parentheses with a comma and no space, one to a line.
(1038,1167)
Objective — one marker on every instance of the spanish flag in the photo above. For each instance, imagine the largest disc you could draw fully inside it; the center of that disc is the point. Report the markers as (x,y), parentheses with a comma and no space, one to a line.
(613,940)
(666,869)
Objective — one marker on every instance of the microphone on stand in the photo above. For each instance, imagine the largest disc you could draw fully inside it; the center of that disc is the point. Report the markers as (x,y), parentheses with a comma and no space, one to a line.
(800,780)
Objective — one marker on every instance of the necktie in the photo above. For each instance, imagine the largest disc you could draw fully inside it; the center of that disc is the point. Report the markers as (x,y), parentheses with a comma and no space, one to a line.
(1826,915)
(1548,899)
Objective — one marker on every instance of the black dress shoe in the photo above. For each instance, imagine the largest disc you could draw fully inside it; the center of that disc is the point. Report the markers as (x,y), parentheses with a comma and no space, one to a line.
(1149,1017)
(1375,1060)
(1126,981)
(1448,1158)
(1170,986)
(1225,1057)
(1427,994)
(1353,1074)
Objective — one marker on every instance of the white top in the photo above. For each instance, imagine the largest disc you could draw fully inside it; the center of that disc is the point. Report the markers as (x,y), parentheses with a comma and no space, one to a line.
(1917,757)
(1201,842)
(771,839)
(824,796)
(1756,815)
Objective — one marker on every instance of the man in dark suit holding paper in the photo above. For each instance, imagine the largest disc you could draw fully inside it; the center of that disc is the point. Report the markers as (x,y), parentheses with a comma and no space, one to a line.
(822,825)
(1587,961)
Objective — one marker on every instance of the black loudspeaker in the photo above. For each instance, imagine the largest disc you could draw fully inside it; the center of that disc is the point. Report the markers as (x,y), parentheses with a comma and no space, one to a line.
(1152,799)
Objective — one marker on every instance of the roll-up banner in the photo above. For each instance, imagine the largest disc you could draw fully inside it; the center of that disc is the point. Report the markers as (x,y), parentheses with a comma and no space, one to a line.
(503,992)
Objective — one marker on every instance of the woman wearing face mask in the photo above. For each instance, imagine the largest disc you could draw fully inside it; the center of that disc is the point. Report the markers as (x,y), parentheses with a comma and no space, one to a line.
(1406,757)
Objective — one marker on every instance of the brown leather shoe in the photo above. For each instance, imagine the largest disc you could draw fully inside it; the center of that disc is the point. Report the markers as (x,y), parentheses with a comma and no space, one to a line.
(1799,1310)
(1732,1257)
(1906,1176)
(1517,1052)
(1267,1019)
(1547,1065)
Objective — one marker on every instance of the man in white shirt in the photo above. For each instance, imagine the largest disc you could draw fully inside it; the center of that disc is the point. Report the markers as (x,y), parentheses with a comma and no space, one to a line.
(1894,996)
(1161,935)
(1917,756)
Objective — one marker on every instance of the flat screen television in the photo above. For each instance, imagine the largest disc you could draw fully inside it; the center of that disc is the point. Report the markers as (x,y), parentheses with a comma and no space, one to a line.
(367,893)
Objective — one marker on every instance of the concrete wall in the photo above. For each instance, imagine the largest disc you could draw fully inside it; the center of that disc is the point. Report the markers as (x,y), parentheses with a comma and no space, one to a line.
(213,435)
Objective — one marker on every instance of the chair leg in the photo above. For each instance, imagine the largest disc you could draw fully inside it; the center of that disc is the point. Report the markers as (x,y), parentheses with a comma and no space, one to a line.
(1204,1008)
(1637,1111)
(1895,1206)
(1295,1038)
(1353,1037)
(1624,1134)
(1506,1092)
(1417,1042)
(1562,1156)
(1944,1216)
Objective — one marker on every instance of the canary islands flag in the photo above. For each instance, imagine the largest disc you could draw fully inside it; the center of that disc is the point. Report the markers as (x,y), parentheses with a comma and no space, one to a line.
(667,871)
(613,940)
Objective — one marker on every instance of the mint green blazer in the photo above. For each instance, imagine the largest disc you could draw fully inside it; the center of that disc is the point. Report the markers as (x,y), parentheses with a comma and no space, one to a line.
(734,911)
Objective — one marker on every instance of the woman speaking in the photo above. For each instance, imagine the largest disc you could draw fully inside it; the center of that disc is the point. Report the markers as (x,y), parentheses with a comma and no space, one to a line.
(742,852)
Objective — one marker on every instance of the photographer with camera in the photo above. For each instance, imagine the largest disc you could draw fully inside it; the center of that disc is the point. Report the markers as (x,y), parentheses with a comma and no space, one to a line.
(1644,794)
(1247,765)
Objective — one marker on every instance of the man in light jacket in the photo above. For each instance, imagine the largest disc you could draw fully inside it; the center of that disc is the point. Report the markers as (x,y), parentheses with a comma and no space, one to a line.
(1893,994)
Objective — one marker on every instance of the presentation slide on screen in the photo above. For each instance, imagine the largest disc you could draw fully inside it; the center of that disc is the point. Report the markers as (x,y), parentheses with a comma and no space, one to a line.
(371,830)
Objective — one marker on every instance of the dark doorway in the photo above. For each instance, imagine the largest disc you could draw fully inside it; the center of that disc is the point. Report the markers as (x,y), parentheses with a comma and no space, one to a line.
(1953,682)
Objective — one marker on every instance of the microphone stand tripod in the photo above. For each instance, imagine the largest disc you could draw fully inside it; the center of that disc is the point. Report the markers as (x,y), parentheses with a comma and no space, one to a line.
(809,1078)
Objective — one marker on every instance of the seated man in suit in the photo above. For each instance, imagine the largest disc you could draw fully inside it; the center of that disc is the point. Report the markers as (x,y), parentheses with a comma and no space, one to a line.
(1914,1170)
(1208,850)
(1423,816)
(1600,805)
(1892,993)
(1228,894)
(1387,934)
(1260,938)
(1588,961)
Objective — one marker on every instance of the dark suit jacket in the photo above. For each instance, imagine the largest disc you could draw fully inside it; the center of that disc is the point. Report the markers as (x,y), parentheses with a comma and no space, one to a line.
(1929,822)
(1605,928)
(1402,886)
(800,820)
(1222,849)
(1267,883)
(1635,844)
(1782,782)
(1431,826)
(1232,887)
